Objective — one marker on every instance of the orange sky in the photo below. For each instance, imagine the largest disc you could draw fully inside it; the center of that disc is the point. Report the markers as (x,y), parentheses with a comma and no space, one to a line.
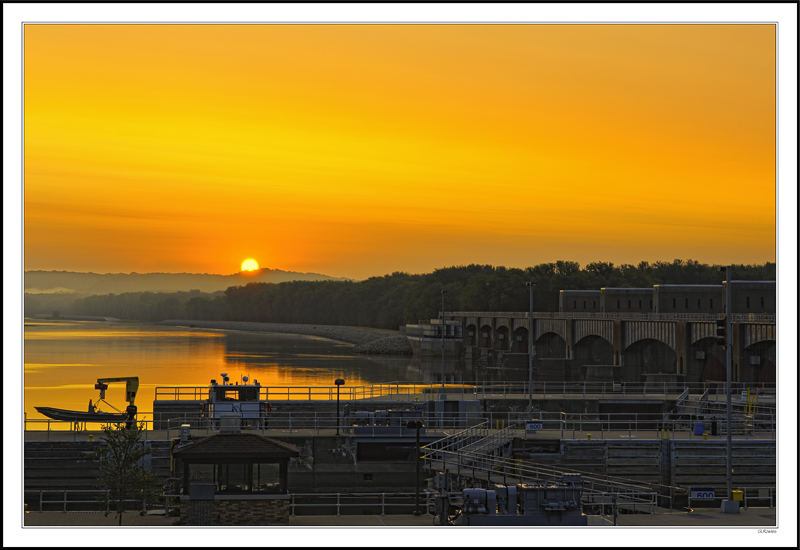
(359,150)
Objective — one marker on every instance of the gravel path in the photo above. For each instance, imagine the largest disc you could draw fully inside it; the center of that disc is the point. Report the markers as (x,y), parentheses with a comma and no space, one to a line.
(367,341)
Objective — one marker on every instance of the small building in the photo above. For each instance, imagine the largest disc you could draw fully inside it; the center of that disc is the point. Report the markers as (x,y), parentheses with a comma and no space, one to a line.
(751,296)
(234,479)
(626,300)
(688,299)
(578,301)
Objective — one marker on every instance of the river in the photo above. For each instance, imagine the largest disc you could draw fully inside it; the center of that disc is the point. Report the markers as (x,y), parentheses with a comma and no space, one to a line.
(64,359)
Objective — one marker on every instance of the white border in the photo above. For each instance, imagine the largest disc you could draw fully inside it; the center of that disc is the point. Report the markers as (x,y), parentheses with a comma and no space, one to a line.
(784,14)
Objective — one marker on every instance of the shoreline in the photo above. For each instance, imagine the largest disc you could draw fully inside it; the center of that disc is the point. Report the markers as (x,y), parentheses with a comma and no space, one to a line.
(365,340)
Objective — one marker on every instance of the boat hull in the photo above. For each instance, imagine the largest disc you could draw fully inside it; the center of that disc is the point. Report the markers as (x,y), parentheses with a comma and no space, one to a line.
(81,416)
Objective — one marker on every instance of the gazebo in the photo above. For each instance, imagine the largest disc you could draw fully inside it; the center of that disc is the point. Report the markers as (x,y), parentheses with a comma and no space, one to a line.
(234,479)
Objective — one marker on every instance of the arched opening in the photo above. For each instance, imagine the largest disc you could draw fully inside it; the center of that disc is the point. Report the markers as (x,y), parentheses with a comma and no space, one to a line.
(519,341)
(502,342)
(485,337)
(550,346)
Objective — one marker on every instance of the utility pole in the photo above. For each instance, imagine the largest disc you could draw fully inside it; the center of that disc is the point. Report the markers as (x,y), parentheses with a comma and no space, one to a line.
(443,327)
(530,284)
(729,507)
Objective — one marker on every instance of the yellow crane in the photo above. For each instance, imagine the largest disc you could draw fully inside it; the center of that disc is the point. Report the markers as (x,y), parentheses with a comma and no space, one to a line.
(131,387)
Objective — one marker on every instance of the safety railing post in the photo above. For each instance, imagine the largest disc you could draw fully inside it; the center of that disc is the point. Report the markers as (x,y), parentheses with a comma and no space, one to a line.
(338,502)
(41,492)
(383,504)
(65,501)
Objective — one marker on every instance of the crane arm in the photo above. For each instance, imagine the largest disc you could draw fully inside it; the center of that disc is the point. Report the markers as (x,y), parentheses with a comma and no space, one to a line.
(131,387)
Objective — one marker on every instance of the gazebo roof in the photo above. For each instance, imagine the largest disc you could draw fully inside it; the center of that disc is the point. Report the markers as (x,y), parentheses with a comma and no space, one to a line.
(237,446)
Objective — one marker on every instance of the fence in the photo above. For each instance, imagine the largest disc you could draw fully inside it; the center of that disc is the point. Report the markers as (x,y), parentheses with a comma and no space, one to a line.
(698,317)
(65,501)
(763,494)
(421,391)
(375,501)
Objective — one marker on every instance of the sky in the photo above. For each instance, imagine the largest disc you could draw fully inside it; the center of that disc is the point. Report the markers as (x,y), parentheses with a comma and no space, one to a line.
(360,150)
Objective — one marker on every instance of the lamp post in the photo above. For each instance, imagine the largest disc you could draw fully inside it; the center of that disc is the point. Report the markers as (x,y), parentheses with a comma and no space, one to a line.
(416,425)
(443,327)
(728,365)
(338,383)
(530,285)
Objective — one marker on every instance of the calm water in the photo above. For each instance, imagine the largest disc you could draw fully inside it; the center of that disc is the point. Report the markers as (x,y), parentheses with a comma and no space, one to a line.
(64,359)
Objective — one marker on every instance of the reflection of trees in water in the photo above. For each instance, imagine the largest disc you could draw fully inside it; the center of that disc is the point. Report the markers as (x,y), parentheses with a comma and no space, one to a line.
(305,357)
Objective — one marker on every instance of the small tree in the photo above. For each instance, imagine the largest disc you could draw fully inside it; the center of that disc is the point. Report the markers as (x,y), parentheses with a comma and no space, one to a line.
(122,473)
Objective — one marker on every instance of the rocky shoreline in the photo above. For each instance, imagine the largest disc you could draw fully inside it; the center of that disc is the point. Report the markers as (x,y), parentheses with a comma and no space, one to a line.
(366,341)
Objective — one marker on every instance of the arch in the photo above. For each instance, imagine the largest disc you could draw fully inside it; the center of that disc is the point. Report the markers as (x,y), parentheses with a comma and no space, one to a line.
(647,356)
(593,350)
(471,336)
(485,337)
(550,345)
(502,338)
(519,340)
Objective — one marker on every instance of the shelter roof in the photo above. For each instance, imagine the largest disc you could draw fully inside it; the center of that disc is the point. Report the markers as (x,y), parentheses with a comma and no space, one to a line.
(237,445)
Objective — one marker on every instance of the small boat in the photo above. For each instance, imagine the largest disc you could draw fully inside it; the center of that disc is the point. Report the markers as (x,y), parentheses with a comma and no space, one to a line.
(81,416)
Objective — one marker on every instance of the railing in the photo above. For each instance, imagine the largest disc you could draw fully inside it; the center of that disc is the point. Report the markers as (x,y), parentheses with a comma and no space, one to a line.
(360,500)
(597,490)
(66,501)
(420,391)
(556,424)
(764,494)
(699,317)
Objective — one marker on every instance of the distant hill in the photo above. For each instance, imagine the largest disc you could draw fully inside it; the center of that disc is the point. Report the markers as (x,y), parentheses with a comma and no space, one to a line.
(96,283)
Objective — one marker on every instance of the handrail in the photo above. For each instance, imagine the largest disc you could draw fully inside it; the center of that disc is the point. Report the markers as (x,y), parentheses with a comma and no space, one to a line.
(411,391)
(621,315)
(425,497)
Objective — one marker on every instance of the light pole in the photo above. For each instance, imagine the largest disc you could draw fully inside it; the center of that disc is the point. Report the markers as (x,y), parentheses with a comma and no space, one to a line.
(338,383)
(443,327)
(416,425)
(530,285)
(728,364)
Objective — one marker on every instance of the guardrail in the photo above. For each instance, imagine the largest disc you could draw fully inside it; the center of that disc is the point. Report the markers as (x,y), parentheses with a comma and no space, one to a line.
(700,317)
(411,391)
(558,424)
(764,494)
(360,500)
(66,501)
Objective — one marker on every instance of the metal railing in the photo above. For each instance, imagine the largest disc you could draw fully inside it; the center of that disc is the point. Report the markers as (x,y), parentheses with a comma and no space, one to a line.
(557,424)
(597,490)
(65,501)
(764,494)
(339,501)
(411,391)
(620,315)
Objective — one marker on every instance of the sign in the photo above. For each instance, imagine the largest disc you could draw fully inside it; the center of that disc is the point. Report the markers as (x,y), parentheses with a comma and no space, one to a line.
(532,425)
(701,493)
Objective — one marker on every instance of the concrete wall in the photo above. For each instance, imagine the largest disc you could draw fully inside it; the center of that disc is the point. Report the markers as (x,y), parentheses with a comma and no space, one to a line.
(243,510)
(751,296)
(688,299)
(579,300)
(626,300)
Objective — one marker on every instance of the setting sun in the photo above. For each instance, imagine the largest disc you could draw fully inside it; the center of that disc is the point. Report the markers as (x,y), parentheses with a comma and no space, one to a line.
(249,265)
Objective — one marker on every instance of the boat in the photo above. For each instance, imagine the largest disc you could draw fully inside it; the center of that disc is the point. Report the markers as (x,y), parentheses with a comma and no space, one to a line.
(81,416)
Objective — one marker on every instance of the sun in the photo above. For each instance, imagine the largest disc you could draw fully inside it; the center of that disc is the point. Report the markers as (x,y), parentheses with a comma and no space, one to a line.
(249,265)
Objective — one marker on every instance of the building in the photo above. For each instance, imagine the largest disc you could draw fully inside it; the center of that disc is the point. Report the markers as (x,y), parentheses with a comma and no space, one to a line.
(626,300)
(579,301)
(688,298)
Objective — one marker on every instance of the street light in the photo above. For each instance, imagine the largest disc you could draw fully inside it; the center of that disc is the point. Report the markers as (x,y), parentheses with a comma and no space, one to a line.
(530,285)
(338,383)
(443,326)
(728,364)
(416,425)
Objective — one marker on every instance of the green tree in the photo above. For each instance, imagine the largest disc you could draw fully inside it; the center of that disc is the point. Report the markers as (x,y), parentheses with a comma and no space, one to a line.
(122,473)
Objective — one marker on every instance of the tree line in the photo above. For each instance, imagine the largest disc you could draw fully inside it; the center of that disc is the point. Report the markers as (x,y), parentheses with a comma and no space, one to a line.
(401,298)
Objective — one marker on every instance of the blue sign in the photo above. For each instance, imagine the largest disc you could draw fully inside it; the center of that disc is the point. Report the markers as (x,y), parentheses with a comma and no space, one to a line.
(532,425)
(701,493)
